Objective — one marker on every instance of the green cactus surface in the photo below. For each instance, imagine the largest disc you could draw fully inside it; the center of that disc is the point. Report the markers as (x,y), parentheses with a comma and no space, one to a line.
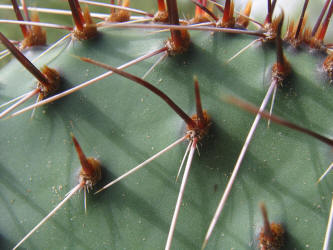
(122,124)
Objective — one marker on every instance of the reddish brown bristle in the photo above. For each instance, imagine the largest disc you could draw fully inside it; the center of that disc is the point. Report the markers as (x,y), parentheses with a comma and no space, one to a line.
(198,8)
(33,35)
(25,10)
(19,17)
(322,33)
(90,172)
(91,180)
(242,21)
(266,229)
(161,5)
(228,20)
(312,41)
(180,40)
(112,9)
(53,84)
(23,60)
(316,39)
(290,33)
(271,236)
(86,167)
(201,118)
(204,15)
(281,69)
(307,35)
(89,29)
(48,79)
(301,20)
(270,11)
(197,132)
(276,242)
(328,66)
(227,10)
(36,35)
(303,29)
(270,26)
(77,14)
(271,29)
(320,18)
(125,3)
(268,19)
(120,15)
(180,44)
(291,36)
(161,15)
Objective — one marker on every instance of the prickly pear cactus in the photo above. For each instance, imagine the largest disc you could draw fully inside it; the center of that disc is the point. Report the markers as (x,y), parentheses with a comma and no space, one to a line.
(122,124)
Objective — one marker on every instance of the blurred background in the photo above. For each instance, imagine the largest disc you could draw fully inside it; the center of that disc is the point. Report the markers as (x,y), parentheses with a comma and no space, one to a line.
(292,9)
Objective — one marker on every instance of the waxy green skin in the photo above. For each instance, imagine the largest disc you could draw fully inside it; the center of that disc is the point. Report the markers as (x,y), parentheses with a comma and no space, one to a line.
(122,124)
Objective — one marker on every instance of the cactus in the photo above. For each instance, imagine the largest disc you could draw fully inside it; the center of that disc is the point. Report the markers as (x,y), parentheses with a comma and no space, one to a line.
(123,124)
